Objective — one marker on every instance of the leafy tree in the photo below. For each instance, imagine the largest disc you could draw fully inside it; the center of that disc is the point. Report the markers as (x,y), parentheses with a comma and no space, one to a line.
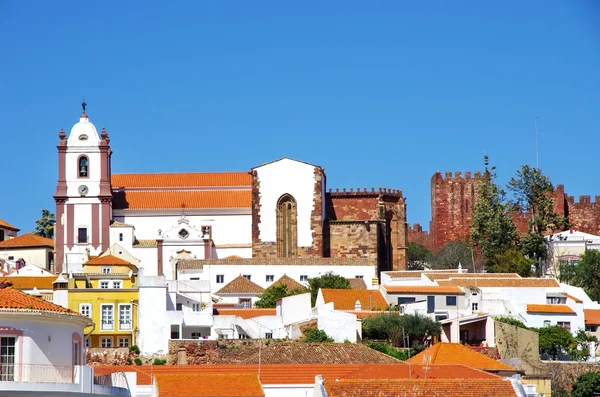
(45,225)
(452,254)
(418,256)
(532,192)
(273,293)
(584,273)
(395,328)
(328,280)
(586,385)
(511,261)
(492,229)
(389,350)
(567,272)
(510,321)
(315,335)
(555,340)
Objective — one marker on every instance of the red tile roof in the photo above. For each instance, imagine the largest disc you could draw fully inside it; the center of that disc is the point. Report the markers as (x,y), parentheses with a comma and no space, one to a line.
(137,200)
(562,309)
(501,282)
(455,353)
(107,260)
(357,283)
(244,313)
(241,285)
(209,385)
(574,298)
(592,317)
(395,371)
(14,300)
(203,179)
(430,289)
(6,225)
(345,299)
(28,240)
(29,282)
(289,282)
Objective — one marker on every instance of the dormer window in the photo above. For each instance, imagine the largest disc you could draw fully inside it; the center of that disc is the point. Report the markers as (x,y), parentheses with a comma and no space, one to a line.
(83,167)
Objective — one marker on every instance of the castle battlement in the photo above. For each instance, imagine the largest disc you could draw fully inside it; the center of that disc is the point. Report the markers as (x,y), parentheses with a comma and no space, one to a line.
(458,176)
(583,200)
(365,192)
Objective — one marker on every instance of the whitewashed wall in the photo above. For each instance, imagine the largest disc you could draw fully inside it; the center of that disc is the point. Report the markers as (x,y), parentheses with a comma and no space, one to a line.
(32,256)
(340,326)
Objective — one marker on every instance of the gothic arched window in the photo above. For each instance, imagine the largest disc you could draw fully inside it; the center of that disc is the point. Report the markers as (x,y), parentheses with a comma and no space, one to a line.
(83,166)
(287,227)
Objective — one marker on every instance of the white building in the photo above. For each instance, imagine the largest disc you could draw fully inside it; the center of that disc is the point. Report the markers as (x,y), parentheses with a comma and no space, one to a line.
(7,231)
(29,249)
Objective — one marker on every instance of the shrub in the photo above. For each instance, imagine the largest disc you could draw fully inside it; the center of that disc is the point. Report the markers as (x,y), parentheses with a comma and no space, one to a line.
(137,361)
(159,361)
(315,335)
(389,350)
(510,321)
(134,349)
(129,360)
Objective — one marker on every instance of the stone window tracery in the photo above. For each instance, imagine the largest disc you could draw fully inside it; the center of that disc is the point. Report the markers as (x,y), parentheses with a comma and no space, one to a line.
(287,227)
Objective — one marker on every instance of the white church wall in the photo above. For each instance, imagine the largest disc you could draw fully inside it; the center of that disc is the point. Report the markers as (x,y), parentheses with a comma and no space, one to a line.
(148,259)
(276,180)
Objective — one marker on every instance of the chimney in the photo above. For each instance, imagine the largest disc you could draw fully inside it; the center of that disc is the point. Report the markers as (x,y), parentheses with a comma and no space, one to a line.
(357,305)
(181,356)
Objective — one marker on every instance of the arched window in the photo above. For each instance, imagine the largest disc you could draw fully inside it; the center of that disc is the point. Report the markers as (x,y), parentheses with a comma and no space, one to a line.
(83,167)
(287,227)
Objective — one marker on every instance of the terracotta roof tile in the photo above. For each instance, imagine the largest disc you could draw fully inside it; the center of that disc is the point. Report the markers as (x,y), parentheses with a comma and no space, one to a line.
(290,262)
(241,285)
(357,283)
(369,313)
(137,200)
(345,299)
(120,224)
(200,179)
(12,299)
(106,261)
(144,243)
(592,317)
(455,353)
(502,282)
(574,298)
(28,240)
(244,313)
(6,225)
(28,282)
(289,282)
(442,276)
(431,289)
(563,309)
(420,387)
(208,385)
(402,371)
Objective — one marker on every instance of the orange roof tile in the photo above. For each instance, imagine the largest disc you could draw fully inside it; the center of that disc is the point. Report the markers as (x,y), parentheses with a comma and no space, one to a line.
(345,299)
(244,313)
(574,298)
(562,309)
(175,199)
(442,276)
(241,285)
(592,317)
(501,282)
(209,385)
(402,371)
(106,261)
(431,289)
(357,283)
(455,353)
(28,240)
(369,313)
(6,225)
(29,282)
(289,282)
(198,179)
(12,299)
(420,387)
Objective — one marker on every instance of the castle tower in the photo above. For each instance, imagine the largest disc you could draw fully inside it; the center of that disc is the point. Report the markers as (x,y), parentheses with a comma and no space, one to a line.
(83,195)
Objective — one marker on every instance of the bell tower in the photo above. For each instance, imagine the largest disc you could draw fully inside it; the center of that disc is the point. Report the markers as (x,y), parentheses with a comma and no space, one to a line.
(83,195)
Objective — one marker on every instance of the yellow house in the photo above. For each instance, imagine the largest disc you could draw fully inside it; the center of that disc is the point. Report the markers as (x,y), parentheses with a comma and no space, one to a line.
(107,292)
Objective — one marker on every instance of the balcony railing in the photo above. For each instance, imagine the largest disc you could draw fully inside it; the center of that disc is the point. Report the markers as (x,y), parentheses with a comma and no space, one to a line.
(38,373)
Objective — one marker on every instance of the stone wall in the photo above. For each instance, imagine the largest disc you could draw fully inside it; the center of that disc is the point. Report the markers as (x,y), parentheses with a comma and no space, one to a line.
(416,234)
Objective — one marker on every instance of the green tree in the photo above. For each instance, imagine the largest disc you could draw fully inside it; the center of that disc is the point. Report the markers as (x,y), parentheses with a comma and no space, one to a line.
(328,280)
(452,254)
(584,273)
(492,229)
(275,292)
(45,225)
(315,335)
(555,340)
(511,261)
(586,385)
(418,256)
(406,330)
(532,192)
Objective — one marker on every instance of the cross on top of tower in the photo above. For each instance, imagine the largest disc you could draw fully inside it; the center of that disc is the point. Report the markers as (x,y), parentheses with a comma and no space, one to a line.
(83,105)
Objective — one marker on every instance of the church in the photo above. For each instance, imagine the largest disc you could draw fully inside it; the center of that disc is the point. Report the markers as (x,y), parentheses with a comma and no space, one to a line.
(279,211)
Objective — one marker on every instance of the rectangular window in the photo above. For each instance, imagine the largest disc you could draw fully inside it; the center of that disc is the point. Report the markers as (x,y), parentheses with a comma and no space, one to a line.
(82,236)
(106,269)
(76,353)
(11,258)
(85,309)
(220,278)
(441,317)
(179,307)
(247,276)
(104,284)
(123,342)
(403,300)
(359,276)
(475,306)
(196,307)
(246,303)
(120,236)
(194,278)
(7,358)
(1,235)
(451,301)
(105,342)
(125,317)
(107,318)
(269,278)
(118,284)
(196,335)
(303,277)
(88,342)
(564,324)
(268,335)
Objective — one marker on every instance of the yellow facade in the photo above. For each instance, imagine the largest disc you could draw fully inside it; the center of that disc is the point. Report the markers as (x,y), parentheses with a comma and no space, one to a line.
(109,295)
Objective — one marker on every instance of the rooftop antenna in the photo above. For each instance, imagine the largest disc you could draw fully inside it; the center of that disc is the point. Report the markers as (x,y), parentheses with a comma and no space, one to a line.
(537,157)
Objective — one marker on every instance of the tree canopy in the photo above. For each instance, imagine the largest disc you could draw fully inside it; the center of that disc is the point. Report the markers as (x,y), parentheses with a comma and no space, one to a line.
(583,273)
(315,335)
(555,340)
(586,385)
(511,261)
(275,292)
(418,256)
(328,280)
(452,254)
(45,225)
(401,330)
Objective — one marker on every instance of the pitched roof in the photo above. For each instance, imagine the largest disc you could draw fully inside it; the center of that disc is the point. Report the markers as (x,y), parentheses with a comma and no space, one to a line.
(28,240)
(244,313)
(29,282)
(562,309)
(196,179)
(107,260)
(357,283)
(241,285)
(501,282)
(592,317)
(290,262)
(320,353)
(208,385)
(455,353)
(574,298)
(441,276)
(345,299)
(289,282)
(12,299)
(114,223)
(138,200)
(6,225)
(144,243)
(439,371)
(428,289)
(420,387)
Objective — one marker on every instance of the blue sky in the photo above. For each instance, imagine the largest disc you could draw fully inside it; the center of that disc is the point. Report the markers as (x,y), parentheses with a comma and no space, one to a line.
(379,93)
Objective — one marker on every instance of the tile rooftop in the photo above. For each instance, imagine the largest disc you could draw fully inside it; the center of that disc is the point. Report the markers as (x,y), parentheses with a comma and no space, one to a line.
(140,200)
(345,299)
(107,260)
(455,353)
(12,299)
(28,240)
(501,282)
(193,180)
(241,285)
(547,308)
(208,385)
(6,225)
(429,289)
(29,282)
(592,317)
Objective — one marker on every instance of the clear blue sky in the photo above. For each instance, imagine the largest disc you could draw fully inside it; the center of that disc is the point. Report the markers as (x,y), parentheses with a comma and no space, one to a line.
(379,93)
